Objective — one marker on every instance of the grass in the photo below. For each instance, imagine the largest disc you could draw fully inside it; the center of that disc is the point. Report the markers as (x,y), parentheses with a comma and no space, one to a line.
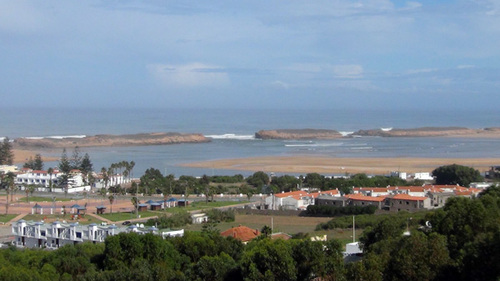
(42,199)
(6,218)
(287,224)
(68,218)
(128,215)
(200,205)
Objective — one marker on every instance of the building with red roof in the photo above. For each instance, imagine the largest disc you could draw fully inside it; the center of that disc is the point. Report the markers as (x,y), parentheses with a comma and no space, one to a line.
(405,202)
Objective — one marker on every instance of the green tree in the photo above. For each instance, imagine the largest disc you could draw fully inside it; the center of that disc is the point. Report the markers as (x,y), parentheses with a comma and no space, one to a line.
(214,268)
(258,179)
(50,171)
(64,164)
(268,259)
(6,153)
(34,164)
(111,200)
(456,174)
(314,180)
(8,184)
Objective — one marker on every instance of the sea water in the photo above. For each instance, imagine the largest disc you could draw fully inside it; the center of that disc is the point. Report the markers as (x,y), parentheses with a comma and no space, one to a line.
(232,132)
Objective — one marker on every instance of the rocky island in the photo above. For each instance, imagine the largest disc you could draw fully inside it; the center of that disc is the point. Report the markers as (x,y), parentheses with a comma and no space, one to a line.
(318,134)
(298,134)
(109,140)
(431,132)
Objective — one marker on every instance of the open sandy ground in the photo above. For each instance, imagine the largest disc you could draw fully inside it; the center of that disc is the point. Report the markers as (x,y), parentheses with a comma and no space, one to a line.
(327,165)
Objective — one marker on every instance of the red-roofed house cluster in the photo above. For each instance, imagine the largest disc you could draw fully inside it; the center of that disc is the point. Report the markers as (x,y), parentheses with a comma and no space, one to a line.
(397,198)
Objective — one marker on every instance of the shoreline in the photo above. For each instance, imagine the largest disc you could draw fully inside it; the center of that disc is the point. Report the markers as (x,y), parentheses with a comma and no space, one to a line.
(330,165)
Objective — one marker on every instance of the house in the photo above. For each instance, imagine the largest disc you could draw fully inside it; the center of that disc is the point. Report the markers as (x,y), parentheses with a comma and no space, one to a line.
(57,234)
(241,233)
(45,181)
(325,199)
(199,218)
(362,200)
(281,235)
(405,202)
(294,200)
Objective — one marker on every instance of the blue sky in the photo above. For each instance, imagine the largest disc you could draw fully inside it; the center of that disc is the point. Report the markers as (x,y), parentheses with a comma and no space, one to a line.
(250,54)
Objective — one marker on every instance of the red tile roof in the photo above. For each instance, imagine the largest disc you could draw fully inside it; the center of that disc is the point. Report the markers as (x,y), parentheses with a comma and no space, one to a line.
(292,193)
(408,197)
(360,197)
(241,232)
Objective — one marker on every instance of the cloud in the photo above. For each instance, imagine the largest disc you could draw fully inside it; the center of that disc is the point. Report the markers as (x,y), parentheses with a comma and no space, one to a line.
(280,85)
(349,71)
(189,75)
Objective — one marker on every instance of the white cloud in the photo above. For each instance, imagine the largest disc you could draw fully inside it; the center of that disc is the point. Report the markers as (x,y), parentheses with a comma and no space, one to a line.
(348,71)
(466,66)
(280,85)
(189,75)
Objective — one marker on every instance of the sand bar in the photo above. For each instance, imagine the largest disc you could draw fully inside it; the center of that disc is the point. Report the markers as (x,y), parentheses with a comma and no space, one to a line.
(327,165)
(21,156)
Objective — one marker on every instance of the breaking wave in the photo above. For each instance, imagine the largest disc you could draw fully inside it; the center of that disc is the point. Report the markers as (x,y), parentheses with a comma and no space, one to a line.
(231,137)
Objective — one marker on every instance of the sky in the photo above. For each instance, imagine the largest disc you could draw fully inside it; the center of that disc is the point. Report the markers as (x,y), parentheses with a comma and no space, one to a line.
(250,54)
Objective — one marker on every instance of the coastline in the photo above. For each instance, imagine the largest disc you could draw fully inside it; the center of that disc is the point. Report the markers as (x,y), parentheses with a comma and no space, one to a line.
(329,165)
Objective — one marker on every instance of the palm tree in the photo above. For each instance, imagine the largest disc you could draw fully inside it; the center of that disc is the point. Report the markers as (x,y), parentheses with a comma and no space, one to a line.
(8,182)
(50,171)
(29,189)
(111,200)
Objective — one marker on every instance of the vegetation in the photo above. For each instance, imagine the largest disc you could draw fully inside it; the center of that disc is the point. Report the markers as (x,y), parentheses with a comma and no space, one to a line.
(6,153)
(174,220)
(456,174)
(459,242)
(331,211)
(34,164)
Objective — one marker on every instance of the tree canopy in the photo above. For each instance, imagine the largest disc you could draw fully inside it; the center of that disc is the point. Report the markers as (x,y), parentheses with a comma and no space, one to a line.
(456,174)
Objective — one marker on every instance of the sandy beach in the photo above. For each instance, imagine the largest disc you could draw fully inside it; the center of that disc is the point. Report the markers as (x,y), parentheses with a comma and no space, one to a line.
(326,165)
(21,156)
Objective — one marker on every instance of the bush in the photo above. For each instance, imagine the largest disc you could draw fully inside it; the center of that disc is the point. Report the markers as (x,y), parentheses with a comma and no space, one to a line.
(324,210)
(217,216)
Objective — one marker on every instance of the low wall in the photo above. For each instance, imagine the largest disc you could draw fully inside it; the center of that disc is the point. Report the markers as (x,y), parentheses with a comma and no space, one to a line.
(271,212)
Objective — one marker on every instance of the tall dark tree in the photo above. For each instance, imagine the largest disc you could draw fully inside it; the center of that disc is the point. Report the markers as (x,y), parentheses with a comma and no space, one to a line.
(456,174)
(6,153)
(76,159)
(64,163)
(34,164)
(86,166)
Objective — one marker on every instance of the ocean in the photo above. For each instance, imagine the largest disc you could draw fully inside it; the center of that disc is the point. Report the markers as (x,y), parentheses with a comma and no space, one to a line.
(232,131)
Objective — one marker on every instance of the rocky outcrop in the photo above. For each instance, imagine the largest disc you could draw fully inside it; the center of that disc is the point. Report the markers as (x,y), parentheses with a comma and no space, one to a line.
(300,134)
(111,140)
(430,132)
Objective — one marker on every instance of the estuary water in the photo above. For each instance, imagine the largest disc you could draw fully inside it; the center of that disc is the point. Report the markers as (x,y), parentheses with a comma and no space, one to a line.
(232,131)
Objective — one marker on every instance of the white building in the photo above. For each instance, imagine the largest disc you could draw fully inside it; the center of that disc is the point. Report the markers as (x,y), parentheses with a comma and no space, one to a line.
(43,180)
(57,234)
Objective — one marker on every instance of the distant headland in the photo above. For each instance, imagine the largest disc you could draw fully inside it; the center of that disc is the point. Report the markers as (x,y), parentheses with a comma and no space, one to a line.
(301,134)
(109,140)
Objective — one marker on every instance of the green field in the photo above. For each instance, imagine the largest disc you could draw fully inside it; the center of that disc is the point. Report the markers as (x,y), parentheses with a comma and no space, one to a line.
(287,224)
(43,199)
(6,218)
